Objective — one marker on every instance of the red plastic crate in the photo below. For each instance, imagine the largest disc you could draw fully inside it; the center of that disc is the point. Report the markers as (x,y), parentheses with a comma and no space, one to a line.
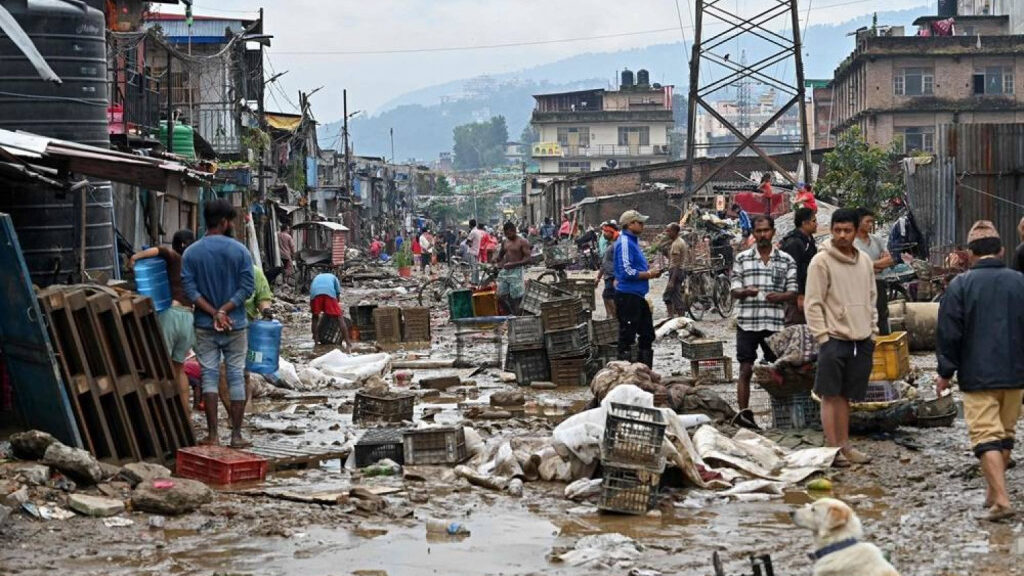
(220,465)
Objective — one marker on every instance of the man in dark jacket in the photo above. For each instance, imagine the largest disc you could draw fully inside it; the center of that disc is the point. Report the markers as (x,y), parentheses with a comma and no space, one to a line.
(800,244)
(631,285)
(981,338)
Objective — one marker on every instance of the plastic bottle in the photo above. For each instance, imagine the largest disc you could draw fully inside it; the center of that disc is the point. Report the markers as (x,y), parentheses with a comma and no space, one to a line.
(446,527)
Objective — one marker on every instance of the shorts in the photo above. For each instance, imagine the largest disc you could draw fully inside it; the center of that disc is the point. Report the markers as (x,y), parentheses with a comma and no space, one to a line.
(425,259)
(214,347)
(991,417)
(844,367)
(511,283)
(609,289)
(747,343)
(176,324)
(324,304)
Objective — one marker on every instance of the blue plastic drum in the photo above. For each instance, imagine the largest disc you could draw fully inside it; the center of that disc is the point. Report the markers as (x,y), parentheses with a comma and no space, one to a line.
(264,346)
(151,280)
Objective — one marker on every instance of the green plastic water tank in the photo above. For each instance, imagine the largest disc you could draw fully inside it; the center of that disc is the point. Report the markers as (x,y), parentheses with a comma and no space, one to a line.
(184,146)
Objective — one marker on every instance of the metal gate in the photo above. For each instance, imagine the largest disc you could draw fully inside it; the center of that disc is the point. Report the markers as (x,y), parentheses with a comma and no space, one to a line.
(38,390)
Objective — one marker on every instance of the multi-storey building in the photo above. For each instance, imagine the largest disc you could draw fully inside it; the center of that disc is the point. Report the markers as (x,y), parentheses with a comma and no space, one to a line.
(901,88)
(590,130)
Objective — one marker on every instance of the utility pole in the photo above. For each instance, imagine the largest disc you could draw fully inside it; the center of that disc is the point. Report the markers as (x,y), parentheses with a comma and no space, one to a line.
(780,49)
(261,120)
(170,112)
(348,160)
(392,132)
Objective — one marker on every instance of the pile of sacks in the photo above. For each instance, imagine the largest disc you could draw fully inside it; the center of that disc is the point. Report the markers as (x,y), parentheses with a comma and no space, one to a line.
(681,394)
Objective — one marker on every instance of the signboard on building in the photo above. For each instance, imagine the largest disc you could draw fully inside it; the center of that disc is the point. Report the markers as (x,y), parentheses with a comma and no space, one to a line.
(547,150)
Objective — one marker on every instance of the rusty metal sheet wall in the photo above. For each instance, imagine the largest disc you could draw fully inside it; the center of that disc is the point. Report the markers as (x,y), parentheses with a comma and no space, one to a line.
(931,190)
(978,174)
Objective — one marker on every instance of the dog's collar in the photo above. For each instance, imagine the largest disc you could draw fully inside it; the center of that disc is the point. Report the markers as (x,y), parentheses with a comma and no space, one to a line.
(835,547)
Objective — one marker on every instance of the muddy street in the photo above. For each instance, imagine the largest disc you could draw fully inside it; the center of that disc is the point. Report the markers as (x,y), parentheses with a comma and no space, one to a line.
(916,499)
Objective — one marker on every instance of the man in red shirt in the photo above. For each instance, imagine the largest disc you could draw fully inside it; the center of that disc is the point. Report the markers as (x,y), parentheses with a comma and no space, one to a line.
(767,195)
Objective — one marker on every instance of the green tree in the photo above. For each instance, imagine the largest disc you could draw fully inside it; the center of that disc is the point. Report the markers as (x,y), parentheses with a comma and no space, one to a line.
(860,175)
(480,144)
(443,187)
(527,139)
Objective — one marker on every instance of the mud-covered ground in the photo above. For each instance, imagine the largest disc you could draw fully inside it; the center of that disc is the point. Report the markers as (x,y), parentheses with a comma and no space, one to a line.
(917,501)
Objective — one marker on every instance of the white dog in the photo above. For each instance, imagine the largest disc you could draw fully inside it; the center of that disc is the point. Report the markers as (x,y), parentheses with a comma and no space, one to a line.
(838,549)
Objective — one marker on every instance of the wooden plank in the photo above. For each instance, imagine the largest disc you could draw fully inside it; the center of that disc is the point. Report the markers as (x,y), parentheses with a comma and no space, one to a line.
(108,403)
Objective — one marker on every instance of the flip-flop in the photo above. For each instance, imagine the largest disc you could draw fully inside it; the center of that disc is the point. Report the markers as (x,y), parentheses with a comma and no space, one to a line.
(241,444)
(209,442)
(997,514)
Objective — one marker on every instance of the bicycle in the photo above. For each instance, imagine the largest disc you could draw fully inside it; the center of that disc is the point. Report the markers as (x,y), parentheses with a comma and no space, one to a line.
(434,292)
(708,287)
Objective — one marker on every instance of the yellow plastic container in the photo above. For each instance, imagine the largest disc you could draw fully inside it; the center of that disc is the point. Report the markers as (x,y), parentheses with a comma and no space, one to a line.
(891,360)
(485,303)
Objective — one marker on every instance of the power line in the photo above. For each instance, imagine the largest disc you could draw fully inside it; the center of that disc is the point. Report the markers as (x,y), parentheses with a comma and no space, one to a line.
(476,47)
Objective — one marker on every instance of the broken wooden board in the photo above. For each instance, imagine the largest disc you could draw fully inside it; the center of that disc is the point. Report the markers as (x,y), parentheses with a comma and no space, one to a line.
(283,456)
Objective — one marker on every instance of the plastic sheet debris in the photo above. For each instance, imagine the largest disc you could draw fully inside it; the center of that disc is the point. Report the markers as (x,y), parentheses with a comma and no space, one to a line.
(611,550)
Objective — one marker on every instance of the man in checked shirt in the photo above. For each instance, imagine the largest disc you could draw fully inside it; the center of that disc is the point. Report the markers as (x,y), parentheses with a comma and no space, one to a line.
(763,281)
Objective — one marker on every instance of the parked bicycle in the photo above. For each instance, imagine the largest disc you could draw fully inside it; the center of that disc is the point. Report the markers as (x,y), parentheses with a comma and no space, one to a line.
(434,292)
(708,287)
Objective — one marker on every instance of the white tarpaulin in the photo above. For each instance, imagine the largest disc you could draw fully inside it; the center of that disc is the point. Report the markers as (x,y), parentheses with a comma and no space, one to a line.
(352,367)
(755,455)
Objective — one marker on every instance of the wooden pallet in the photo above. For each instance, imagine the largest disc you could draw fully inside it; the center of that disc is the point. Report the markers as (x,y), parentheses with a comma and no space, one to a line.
(117,373)
(285,456)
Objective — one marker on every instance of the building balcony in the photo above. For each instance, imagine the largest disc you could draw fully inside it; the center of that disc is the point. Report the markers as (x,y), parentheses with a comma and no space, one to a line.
(595,116)
(553,150)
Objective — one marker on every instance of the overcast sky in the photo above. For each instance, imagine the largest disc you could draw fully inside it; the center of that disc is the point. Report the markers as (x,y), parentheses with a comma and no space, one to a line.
(305,31)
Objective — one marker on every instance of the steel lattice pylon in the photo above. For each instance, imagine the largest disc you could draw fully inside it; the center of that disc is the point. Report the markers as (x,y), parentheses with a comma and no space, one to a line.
(709,51)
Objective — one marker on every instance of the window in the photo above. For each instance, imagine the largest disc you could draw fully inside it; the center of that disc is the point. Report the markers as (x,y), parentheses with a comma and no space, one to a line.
(574,136)
(642,135)
(566,167)
(920,138)
(914,82)
(993,80)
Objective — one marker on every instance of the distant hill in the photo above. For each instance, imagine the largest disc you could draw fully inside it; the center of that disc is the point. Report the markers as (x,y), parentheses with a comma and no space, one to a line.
(423,119)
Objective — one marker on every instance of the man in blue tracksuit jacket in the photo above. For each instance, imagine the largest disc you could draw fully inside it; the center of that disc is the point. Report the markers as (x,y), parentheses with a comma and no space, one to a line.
(631,286)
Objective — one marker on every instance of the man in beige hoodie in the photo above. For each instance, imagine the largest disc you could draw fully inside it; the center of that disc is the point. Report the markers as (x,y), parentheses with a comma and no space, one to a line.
(841,313)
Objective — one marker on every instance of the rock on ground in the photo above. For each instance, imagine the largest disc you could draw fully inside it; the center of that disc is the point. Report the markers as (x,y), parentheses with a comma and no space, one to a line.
(78,464)
(5,512)
(181,497)
(96,506)
(136,472)
(508,398)
(29,472)
(31,445)
(17,498)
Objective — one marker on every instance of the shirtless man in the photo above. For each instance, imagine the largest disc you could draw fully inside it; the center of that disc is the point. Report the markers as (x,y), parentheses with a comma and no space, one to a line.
(512,262)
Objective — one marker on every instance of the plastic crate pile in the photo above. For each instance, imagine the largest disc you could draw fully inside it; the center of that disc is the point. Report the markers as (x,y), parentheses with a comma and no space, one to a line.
(444,446)
(708,362)
(566,340)
(526,356)
(632,459)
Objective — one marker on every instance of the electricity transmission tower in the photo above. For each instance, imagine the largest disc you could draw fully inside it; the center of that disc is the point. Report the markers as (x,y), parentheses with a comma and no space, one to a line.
(774,49)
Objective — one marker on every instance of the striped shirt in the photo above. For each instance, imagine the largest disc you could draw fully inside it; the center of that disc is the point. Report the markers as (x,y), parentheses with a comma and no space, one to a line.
(778,275)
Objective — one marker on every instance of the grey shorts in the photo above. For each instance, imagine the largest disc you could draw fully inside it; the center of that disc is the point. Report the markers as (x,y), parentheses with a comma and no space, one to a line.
(844,368)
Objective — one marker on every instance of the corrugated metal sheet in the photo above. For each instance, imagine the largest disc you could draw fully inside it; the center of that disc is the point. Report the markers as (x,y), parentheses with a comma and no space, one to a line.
(978,174)
(200,28)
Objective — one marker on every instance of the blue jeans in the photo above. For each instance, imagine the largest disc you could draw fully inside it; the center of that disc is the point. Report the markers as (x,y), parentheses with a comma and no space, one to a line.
(211,347)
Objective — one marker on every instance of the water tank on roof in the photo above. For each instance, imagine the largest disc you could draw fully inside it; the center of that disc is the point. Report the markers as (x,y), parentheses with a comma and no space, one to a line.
(947,8)
(184,141)
(72,39)
(643,78)
(627,79)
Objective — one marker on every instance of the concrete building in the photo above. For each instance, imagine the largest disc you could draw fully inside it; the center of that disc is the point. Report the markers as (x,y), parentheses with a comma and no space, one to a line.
(903,87)
(591,130)
(748,112)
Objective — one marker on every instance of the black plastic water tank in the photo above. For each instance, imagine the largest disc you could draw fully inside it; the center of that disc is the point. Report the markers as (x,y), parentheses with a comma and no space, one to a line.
(71,37)
(627,78)
(643,77)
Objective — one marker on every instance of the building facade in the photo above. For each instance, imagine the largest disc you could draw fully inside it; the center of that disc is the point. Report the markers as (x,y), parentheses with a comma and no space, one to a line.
(902,88)
(591,130)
